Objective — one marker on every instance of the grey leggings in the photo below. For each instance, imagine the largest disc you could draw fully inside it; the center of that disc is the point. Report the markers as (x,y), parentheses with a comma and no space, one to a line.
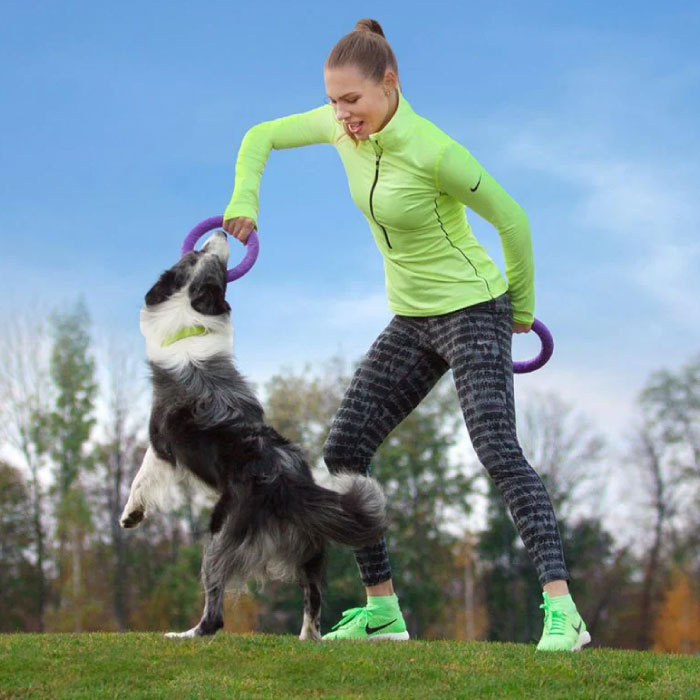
(401,367)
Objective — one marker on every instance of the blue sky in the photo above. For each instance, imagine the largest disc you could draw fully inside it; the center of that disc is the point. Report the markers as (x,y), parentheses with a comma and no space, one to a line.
(120,125)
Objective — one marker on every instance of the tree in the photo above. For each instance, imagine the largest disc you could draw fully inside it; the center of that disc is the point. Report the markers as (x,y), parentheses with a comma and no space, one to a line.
(302,406)
(602,580)
(671,402)
(117,458)
(24,394)
(68,427)
(18,575)
(667,454)
(677,627)
(660,487)
(509,579)
(564,449)
(73,373)
(164,589)
(466,612)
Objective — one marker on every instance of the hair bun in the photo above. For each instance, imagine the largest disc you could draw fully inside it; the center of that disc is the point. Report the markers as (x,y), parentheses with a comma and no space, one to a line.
(369,25)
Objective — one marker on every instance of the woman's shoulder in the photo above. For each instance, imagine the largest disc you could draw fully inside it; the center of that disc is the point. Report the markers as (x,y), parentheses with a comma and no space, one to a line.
(428,141)
(433,133)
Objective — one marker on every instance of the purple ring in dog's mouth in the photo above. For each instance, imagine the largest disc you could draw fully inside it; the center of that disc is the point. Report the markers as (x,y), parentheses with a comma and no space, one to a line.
(252,246)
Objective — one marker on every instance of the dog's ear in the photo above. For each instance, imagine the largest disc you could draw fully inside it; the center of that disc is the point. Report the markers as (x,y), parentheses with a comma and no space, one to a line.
(208,299)
(162,289)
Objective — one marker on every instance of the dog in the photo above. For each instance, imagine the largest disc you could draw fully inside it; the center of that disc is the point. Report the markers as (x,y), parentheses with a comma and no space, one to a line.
(274,515)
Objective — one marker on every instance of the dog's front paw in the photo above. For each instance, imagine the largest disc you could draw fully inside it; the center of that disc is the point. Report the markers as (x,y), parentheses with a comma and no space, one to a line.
(132,519)
(310,632)
(310,637)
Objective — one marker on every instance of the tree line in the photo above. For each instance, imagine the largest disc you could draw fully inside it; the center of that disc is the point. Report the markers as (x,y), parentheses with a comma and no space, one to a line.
(74,432)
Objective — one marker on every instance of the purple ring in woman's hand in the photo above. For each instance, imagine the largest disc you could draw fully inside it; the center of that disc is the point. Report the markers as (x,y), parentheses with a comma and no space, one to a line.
(547,349)
(252,245)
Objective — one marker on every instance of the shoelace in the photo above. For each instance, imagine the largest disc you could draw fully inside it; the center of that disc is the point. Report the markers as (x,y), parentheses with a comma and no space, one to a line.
(554,620)
(348,615)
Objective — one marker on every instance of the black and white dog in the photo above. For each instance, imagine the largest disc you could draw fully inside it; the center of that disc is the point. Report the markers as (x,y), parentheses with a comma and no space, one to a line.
(274,516)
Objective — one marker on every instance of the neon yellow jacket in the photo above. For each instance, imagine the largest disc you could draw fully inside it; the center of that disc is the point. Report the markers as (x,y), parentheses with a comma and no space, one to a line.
(411,181)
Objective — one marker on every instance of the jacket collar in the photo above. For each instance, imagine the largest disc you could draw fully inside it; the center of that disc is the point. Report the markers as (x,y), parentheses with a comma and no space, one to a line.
(398,129)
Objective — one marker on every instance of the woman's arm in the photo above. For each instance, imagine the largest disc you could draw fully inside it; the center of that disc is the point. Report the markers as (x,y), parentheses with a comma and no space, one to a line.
(315,126)
(460,175)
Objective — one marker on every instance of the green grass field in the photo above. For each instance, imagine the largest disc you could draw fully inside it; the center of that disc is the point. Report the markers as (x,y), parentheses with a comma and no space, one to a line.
(137,666)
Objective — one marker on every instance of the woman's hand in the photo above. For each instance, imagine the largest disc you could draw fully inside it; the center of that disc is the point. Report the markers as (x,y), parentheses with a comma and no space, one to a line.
(239,227)
(521,327)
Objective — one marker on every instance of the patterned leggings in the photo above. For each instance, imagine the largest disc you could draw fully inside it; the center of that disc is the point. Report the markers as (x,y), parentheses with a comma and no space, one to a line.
(401,367)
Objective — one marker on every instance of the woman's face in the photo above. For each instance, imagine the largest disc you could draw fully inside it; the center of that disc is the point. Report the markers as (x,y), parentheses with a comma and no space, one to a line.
(363,106)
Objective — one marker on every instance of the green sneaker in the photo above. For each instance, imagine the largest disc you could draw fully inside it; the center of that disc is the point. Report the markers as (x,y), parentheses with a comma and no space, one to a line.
(371,622)
(564,630)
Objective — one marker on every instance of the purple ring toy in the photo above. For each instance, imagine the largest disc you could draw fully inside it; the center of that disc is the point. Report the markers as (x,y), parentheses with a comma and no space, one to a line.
(547,349)
(252,245)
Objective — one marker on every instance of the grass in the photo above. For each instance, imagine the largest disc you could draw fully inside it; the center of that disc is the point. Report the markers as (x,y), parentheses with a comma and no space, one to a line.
(139,666)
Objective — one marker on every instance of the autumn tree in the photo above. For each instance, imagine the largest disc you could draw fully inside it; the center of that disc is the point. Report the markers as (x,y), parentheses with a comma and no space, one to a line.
(677,626)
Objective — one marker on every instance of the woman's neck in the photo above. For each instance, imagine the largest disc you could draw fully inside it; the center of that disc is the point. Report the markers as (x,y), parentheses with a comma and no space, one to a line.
(393,106)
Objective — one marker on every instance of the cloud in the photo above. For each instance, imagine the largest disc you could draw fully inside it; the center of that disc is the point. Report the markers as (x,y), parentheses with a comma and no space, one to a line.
(605,162)
(640,213)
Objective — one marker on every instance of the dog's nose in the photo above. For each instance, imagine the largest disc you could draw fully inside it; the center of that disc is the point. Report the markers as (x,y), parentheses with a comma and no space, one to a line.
(217,244)
(216,240)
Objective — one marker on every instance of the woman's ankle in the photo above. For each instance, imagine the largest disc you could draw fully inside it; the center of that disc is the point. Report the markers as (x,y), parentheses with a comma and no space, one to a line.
(383,588)
(556,588)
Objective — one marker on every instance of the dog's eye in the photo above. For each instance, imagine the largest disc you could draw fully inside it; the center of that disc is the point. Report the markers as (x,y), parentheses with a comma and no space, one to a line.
(208,299)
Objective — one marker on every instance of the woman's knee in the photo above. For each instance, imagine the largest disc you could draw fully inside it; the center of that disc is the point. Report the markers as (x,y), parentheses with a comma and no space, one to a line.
(502,455)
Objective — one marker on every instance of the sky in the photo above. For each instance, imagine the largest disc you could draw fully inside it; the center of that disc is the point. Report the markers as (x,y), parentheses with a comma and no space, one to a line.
(120,125)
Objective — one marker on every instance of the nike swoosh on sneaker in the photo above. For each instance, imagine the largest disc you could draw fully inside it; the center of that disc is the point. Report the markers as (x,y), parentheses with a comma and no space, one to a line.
(372,630)
(578,629)
(476,187)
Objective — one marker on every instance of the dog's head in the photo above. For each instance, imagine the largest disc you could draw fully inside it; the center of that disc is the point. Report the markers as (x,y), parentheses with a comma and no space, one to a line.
(190,295)
(201,274)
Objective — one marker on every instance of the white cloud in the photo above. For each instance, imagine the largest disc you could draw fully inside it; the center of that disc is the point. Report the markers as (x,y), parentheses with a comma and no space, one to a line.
(632,195)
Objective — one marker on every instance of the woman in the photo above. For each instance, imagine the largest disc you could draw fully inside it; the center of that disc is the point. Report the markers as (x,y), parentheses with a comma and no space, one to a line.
(453,308)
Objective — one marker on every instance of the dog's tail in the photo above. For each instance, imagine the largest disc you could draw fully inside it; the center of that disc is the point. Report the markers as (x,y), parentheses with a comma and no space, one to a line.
(345,507)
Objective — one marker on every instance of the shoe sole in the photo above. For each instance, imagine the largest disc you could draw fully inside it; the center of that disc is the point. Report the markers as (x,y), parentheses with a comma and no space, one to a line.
(584,638)
(388,636)
(391,636)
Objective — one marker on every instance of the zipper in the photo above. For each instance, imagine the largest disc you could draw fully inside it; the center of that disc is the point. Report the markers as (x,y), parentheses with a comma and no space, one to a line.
(378,157)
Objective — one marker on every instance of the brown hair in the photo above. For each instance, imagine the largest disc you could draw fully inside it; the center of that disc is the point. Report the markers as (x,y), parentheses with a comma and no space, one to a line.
(367,48)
